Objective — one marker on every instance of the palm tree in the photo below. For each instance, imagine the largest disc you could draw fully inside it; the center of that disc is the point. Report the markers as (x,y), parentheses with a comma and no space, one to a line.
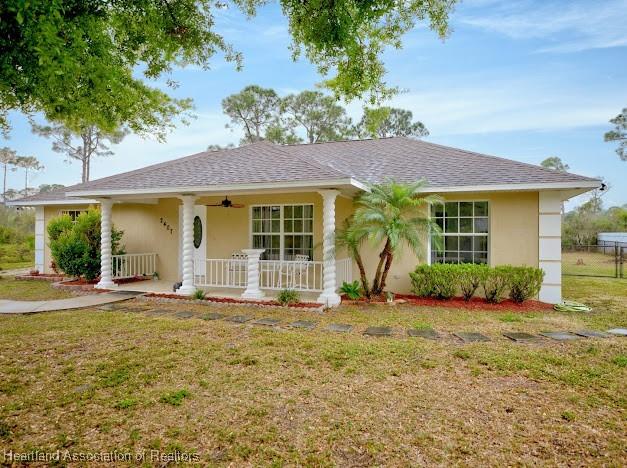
(8,159)
(395,215)
(351,237)
(28,163)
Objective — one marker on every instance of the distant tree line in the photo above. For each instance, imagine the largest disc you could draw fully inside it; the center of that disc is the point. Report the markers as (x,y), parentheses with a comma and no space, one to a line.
(310,117)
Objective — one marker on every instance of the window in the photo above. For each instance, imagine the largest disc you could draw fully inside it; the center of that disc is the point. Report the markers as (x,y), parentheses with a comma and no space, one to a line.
(465,230)
(283,230)
(73,213)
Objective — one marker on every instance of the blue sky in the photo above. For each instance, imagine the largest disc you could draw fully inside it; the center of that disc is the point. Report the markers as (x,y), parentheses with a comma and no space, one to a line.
(524,80)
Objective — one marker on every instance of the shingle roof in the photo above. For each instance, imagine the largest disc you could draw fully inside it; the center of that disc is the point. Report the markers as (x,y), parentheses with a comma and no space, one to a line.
(405,160)
(368,161)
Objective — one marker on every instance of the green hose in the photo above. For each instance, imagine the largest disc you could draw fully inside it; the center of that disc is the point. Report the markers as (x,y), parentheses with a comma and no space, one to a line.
(571,306)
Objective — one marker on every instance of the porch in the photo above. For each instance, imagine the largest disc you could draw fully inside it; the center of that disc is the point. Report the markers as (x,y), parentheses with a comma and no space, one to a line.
(201,241)
(229,277)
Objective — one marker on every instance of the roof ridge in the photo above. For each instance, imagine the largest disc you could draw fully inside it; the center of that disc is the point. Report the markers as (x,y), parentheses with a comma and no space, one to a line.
(313,163)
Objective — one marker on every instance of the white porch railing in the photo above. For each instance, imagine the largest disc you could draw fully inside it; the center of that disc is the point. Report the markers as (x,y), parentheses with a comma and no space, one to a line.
(222,273)
(131,265)
(343,271)
(305,276)
(290,274)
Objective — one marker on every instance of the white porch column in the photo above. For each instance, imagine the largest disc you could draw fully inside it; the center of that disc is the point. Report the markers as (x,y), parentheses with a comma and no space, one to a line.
(40,263)
(187,288)
(329,294)
(106,282)
(252,284)
(550,245)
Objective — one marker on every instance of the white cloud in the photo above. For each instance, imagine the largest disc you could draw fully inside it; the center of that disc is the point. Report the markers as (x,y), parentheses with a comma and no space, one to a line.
(507,104)
(569,27)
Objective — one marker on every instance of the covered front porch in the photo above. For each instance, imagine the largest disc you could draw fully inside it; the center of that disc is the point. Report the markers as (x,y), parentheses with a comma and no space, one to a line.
(263,244)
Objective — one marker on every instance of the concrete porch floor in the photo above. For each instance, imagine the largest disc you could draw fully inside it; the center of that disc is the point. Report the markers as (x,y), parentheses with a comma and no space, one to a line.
(165,287)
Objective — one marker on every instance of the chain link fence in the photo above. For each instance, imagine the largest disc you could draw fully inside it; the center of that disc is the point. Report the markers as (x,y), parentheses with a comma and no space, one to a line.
(602,260)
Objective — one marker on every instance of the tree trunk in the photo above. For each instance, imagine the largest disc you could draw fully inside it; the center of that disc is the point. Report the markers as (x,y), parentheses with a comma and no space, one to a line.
(26,181)
(377,277)
(362,274)
(4,186)
(386,270)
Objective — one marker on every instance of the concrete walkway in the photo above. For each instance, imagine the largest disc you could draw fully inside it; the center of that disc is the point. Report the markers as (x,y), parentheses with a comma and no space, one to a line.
(78,302)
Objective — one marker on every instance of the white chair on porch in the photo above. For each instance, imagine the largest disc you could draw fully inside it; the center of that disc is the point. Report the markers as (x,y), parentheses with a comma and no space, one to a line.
(293,271)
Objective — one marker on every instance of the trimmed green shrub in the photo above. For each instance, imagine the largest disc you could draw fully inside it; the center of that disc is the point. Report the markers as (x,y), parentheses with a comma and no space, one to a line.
(494,282)
(469,277)
(352,290)
(444,280)
(525,283)
(421,282)
(75,246)
(287,297)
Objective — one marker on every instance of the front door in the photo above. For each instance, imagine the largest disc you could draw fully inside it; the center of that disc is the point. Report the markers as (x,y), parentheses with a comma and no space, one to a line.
(200,239)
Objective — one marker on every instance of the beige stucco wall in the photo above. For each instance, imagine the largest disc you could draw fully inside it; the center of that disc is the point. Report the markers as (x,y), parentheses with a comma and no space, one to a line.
(513,230)
(513,236)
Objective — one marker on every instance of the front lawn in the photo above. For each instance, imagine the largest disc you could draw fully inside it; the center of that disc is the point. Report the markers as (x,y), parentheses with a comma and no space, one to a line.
(87,381)
(20,290)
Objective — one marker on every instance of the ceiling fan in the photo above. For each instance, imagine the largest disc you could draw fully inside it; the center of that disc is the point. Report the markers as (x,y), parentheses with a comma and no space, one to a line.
(226,203)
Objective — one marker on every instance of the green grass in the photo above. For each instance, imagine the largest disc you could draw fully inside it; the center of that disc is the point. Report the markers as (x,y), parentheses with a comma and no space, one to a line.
(588,264)
(16,265)
(20,290)
(245,395)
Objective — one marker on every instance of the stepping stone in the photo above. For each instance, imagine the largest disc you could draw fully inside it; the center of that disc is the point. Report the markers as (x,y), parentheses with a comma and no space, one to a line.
(239,318)
(131,309)
(339,327)
(560,336)
(618,331)
(185,314)
(428,333)
(159,312)
(306,324)
(268,322)
(84,388)
(468,337)
(212,316)
(520,336)
(592,334)
(378,331)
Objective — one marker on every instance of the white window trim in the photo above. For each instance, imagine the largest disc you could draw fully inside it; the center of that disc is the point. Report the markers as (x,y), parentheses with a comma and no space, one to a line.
(67,212)
(281,232)
(473,234)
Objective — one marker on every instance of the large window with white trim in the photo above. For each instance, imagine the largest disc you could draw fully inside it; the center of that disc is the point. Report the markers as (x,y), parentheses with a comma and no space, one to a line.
(284,231)
(465,231)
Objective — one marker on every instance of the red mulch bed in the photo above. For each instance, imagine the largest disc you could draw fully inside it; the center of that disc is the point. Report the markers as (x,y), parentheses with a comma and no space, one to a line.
(40,277)
(231,300)
(475,303)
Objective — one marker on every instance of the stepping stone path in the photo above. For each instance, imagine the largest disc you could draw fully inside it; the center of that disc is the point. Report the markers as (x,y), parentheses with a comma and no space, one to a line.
(560,336)
(520,336)
(428,333)
(212,316)
(239,319)
(592,334)
(468,337)
(339,327)
(185,314)
(267,322)
(305,324)
(618,331)
(378,331)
